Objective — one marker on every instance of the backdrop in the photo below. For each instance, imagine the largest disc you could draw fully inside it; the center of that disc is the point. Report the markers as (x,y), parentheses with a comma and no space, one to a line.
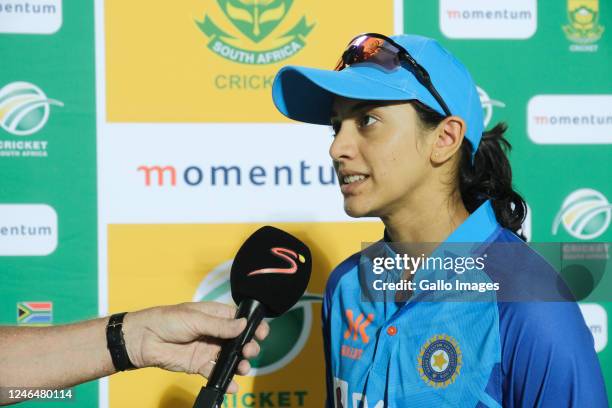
(139,147)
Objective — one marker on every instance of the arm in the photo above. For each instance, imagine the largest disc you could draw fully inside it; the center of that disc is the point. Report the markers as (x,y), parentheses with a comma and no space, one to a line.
(548,358)
(183,338)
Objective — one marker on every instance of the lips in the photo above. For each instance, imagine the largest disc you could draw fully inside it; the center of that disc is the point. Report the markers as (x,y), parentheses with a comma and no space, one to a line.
(350,182)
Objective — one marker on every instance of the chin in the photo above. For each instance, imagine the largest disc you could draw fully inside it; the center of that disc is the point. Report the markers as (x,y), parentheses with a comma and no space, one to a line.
(356,211)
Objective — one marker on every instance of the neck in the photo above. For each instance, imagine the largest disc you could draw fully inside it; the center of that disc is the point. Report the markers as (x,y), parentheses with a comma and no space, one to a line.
(426,219)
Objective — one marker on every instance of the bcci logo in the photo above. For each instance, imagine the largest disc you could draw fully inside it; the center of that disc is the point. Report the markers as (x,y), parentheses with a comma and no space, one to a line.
(583,27)
(256,20)
(24,108)
(288,333)
(585,214)
(439,361)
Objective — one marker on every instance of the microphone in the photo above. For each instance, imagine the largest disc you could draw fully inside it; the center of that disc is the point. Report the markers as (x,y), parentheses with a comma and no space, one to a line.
(269,275)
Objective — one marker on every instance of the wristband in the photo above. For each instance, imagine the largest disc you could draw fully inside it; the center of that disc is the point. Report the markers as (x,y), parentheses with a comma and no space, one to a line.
(116,343)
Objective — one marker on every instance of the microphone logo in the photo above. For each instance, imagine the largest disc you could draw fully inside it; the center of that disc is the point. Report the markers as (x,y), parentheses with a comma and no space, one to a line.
(286,255)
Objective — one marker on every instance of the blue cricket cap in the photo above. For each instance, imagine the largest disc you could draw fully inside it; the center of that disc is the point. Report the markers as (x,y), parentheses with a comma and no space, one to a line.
(306,94)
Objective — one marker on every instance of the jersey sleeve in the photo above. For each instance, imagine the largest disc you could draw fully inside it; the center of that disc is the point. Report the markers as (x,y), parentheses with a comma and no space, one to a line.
(548,357)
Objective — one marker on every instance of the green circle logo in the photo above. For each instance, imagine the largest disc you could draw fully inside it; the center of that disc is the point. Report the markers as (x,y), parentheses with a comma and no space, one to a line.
(585,214)
(24,108)
(288,333)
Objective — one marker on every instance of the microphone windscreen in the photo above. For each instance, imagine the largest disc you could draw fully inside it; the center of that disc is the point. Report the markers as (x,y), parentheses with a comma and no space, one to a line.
(272,267)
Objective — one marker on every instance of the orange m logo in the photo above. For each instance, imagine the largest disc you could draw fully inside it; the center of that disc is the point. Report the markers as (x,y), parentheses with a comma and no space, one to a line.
(357,326)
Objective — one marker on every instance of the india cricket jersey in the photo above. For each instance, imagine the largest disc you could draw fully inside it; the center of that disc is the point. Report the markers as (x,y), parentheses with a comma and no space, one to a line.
(492,352)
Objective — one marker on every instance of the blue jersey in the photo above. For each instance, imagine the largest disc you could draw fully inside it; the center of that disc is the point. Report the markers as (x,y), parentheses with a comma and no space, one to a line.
(459,354)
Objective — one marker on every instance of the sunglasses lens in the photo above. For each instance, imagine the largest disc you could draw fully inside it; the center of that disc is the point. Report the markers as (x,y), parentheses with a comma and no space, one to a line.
(369,49)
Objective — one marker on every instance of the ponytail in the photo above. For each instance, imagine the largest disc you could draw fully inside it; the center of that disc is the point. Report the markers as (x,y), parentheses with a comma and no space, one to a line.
(490,177)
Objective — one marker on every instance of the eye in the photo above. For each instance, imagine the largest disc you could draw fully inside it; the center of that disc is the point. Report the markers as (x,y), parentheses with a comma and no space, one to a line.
(367,120)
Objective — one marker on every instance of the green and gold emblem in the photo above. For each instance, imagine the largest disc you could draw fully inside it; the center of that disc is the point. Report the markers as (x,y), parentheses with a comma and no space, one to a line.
(256,20)
(583,16)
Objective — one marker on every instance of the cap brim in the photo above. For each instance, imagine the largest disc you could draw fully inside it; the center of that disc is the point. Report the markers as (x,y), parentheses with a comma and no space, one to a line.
(306,94)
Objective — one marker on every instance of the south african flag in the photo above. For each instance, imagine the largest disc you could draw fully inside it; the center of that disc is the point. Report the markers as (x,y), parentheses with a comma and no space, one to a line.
(34,313)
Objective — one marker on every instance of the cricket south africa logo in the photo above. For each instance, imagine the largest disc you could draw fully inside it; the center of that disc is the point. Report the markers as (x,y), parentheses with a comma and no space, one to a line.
(583,28)
(254,38)
(288,333)
(24,108)
(286,255)
(487,105)
(585,214)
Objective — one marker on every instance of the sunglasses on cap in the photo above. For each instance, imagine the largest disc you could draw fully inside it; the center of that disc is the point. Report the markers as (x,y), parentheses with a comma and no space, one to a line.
(383,51)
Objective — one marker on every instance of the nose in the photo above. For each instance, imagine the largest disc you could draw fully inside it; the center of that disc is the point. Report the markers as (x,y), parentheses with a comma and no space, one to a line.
(344,145)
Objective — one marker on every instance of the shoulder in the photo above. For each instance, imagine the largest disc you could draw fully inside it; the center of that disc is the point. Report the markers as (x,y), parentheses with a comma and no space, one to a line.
(558,325)
(548,356)
(339,272)
(523,274)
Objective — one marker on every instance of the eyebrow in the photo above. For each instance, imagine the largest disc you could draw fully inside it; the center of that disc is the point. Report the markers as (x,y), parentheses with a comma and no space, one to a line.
(359,106)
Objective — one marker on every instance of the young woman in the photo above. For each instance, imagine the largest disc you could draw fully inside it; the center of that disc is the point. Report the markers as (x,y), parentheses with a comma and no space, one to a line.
(409,148)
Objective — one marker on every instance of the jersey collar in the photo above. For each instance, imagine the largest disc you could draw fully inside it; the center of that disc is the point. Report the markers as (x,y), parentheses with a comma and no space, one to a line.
(478,227)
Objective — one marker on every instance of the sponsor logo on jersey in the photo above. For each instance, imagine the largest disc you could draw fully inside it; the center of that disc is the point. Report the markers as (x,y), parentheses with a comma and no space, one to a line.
(439,361)
(355,331)
(357,326)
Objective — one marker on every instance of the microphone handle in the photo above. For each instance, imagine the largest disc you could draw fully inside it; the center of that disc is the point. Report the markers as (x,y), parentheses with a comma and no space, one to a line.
(212,395)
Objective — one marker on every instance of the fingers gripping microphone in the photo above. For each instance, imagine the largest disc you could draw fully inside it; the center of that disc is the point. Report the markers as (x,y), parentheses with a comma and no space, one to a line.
(269,275)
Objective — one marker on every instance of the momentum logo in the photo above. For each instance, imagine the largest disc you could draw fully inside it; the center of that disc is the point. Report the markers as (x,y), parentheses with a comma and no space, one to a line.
(486,19)
(570,119)
(235,175)
(27,229)
(596,319)
(30,16)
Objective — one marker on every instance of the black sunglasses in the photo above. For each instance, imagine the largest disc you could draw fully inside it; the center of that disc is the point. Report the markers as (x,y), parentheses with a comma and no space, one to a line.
(382,50)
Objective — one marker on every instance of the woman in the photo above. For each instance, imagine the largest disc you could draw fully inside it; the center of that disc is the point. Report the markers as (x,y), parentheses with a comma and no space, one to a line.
(409,148)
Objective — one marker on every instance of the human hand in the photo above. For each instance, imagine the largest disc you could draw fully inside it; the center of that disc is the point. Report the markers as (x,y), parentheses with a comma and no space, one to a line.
(186,337)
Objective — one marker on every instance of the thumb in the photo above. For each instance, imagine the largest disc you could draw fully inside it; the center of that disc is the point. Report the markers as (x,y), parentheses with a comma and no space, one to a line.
(220,327)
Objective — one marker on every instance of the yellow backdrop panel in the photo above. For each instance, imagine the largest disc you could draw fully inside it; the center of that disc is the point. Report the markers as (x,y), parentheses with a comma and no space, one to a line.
(213,61)
(164,264)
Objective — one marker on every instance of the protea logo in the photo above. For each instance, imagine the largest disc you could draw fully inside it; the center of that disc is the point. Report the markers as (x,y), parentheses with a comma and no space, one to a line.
(24,108)
(583,16)
(288,333)
(487,105)
(255,20)
(585,214)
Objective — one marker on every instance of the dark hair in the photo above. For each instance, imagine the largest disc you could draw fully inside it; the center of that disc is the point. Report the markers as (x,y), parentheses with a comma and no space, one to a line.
(490,177)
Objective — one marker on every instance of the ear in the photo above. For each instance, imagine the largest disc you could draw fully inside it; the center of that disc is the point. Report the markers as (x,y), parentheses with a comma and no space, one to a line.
(449,136)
